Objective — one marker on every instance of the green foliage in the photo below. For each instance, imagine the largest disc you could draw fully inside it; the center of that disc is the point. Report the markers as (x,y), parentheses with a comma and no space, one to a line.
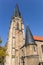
(2,53)
(0,40)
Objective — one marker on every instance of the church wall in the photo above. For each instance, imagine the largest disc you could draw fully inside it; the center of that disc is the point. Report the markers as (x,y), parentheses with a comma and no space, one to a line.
(39,49)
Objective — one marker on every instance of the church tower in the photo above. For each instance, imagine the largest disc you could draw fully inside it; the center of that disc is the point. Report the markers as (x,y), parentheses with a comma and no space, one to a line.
(15,38)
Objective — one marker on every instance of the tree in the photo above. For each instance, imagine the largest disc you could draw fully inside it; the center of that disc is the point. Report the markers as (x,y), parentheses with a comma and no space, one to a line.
(0,41)
(2,53)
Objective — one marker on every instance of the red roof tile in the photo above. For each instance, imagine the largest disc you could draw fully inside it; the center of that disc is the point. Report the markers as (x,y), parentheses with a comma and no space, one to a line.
(38,38)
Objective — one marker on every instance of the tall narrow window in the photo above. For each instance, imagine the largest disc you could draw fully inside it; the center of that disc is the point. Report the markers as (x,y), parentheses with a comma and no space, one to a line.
(17,25)
(35,48)
(42,48)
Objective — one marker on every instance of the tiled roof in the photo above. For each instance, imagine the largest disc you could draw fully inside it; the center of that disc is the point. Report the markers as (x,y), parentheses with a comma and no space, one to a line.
(38,38)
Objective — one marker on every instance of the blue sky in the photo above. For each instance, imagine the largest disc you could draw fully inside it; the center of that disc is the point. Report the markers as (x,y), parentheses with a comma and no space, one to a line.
(32,14)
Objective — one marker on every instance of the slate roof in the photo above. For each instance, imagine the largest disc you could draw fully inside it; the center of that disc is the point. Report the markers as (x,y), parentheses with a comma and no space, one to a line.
(29,37)
(17,12)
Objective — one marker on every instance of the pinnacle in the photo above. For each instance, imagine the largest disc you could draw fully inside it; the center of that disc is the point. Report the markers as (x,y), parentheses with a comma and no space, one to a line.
(17,12)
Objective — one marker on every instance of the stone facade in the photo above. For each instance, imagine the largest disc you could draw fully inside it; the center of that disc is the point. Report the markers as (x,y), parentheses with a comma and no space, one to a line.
(21,49)
(40,51)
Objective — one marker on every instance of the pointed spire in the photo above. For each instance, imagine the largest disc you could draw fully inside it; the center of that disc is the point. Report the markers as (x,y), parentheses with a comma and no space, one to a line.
(17,12)
(29,37)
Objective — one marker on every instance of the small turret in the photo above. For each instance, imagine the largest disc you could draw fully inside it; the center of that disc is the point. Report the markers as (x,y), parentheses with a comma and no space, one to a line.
(29,37)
